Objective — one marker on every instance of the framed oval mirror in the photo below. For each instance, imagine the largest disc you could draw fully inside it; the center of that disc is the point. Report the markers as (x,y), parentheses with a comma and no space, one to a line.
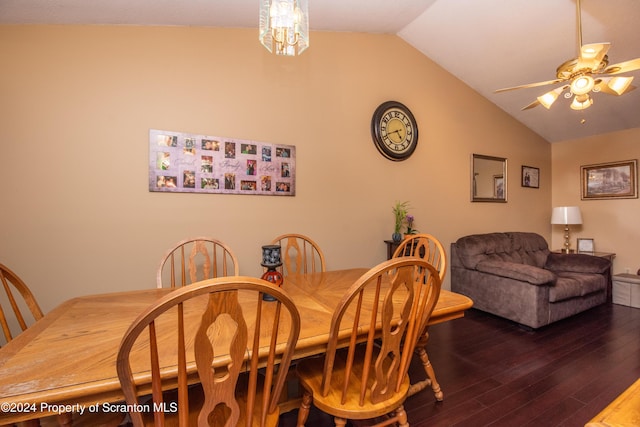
(488,178)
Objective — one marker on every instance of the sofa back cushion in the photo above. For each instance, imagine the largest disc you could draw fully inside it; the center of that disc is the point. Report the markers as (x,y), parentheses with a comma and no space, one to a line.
(482,247)
(518,247)
(531,248)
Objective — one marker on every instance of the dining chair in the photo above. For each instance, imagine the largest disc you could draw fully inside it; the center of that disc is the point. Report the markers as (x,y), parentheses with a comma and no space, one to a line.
(300,254)
(430,249)
(195,259)
(185,332)
(27,311)
(369,379)
(21,301)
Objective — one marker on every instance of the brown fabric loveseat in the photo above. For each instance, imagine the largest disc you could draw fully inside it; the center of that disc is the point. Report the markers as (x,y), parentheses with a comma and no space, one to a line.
(515,276)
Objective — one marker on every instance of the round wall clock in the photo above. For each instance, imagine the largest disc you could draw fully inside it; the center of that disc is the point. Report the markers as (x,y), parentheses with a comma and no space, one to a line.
(394,130)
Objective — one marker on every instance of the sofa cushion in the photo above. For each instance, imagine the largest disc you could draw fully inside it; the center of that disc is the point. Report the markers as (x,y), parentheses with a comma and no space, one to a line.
(577,263)
(482,247)
(513,270)
(532,249)
(571,285)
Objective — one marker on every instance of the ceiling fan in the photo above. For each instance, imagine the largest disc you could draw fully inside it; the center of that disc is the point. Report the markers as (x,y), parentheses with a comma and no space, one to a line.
(589,72)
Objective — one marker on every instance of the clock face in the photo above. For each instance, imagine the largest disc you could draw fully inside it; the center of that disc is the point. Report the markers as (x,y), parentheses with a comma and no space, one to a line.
(394,130)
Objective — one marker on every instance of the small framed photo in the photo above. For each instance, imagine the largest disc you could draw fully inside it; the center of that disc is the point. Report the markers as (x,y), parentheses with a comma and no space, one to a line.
(616,180)
(530,177)
(585,245)
(498,187)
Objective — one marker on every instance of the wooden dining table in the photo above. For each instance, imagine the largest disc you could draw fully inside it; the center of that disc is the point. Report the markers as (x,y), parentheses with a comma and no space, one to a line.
(67,360)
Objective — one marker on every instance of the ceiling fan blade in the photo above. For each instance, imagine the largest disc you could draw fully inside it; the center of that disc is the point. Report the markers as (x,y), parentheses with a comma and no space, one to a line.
(591,55)
(549,82)
(530,106)
(622,67)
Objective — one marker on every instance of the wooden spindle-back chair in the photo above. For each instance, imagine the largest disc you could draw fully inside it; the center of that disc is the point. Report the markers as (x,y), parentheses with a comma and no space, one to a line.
(223,328)
(300,254)
(390,305)
(430,249)
(19,299)
(196,259)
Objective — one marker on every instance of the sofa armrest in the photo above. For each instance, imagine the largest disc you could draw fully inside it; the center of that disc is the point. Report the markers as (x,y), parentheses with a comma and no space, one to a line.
(516,271)
(577,263)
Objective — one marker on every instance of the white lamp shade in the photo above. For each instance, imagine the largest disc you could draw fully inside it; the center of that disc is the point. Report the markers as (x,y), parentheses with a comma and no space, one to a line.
(566,215)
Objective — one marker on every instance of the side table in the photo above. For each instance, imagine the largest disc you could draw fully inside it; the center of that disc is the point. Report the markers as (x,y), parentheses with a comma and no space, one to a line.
(391,247)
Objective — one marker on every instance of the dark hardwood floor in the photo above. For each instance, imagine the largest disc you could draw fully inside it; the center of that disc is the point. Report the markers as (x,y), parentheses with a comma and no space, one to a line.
(495,373)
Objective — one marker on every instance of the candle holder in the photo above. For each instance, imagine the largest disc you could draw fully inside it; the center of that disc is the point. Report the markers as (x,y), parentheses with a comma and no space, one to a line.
(271,259)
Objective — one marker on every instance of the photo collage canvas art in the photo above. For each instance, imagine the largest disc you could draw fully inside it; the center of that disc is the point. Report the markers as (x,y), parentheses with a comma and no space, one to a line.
(190,163)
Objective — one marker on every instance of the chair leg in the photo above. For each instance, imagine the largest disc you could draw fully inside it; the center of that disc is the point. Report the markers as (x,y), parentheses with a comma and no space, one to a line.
(65,419)
(305,406)
(428,368)
(339,422)
(401,415)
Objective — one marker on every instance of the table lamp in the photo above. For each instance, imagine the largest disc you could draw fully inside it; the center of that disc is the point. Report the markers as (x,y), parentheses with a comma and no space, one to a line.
(566,215)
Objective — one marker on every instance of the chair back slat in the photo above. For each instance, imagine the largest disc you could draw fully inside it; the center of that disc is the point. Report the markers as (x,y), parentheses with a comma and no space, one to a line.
(398,296)
(156,384)
(253,375)
(220,388)
(21,301)
(300,254)
(427,247)
(220,335)
(183,384)
(196,259)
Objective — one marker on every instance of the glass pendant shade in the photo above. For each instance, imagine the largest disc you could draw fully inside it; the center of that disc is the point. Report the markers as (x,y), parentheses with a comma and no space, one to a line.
(581,102)
(582,85)
(549,98)
(284,26)
(620,84)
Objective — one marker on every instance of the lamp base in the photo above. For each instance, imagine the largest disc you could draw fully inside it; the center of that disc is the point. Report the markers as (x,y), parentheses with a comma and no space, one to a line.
(567,243)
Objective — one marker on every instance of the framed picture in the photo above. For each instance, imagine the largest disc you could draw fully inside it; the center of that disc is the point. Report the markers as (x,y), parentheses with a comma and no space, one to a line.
(617,180)
(498,187)
(530,177)
(191,163)
(585,245)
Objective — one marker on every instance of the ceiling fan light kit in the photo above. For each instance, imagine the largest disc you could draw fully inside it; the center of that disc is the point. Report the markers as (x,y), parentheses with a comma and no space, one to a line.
(582,85)
(581,102)
(585,75)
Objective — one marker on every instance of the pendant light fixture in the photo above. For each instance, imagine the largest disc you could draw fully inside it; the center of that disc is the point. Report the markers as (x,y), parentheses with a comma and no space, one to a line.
(284,26)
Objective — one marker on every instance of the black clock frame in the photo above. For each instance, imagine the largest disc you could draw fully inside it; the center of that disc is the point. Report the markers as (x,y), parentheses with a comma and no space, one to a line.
(377,136)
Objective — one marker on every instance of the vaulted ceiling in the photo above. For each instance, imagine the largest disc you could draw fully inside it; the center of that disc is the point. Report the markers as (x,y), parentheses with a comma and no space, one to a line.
(488,44)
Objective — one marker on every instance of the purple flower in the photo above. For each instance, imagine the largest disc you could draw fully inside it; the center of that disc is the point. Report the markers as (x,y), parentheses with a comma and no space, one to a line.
(410,220)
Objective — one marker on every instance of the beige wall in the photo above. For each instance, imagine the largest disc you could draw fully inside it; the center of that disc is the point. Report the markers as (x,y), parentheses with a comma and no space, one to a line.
(613,224)
(77,104)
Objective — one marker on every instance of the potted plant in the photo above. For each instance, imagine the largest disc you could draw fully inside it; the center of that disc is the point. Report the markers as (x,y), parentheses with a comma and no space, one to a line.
(410,229)
(400,212)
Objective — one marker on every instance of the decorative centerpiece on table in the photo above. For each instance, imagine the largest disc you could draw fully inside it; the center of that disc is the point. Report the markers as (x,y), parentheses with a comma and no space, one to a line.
(271,259)
(401,212)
